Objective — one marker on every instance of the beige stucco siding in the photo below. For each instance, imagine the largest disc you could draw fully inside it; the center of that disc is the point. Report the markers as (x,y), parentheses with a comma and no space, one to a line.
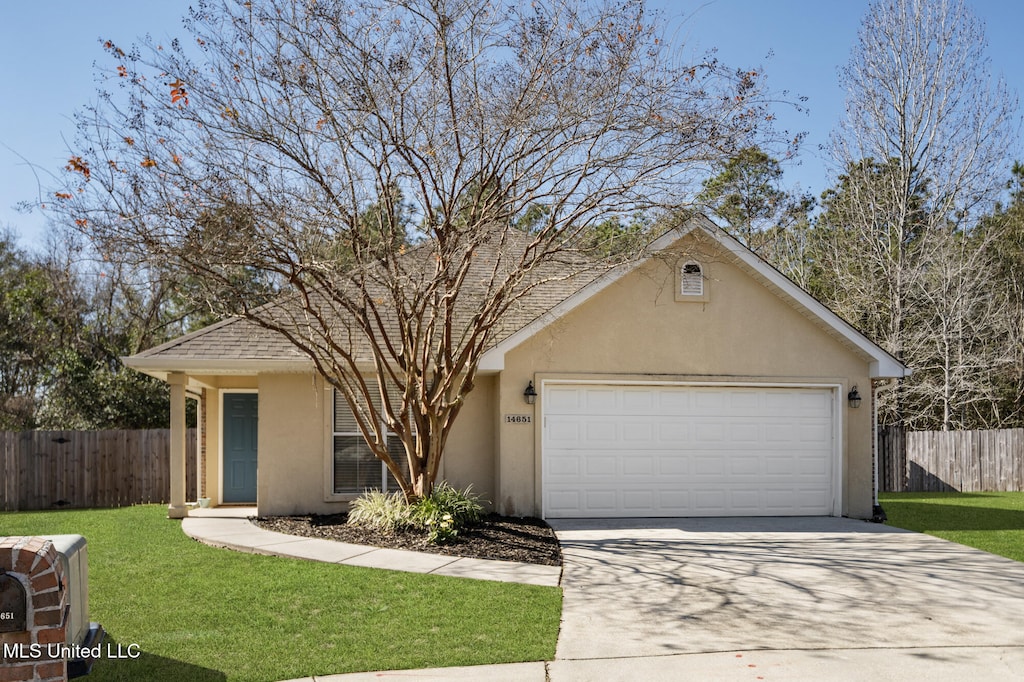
(469,454)
(292,445)
(295,445)
(635,329)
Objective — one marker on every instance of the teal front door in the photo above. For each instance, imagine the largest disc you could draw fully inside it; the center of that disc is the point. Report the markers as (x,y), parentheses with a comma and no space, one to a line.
(240,429)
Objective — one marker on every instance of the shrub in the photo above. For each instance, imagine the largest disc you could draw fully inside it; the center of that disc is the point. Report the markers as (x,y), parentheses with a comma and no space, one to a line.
(439,526)
(463,505)
(388,513)
(440,515)
(445,512)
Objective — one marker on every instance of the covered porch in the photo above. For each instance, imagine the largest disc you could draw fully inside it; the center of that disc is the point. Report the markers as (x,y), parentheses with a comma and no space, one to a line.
(236,370)
(227,435)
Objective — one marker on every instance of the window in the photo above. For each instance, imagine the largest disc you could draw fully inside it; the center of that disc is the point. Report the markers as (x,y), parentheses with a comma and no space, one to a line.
(691,280)
(356,469)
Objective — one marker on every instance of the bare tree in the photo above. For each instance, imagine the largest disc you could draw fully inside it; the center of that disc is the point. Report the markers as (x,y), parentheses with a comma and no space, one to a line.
(374,160)
(919,91)
(1003,234)
(926,133)
(959,337)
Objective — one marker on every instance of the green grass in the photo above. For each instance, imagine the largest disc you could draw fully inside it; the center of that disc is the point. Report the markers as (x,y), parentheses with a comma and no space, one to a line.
(201,613)
(993,522)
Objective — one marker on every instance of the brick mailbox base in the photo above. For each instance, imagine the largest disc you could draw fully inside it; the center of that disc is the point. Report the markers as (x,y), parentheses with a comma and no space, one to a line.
(35,652)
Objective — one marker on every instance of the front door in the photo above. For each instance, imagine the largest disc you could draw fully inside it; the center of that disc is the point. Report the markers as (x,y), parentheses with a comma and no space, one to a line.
(240,435)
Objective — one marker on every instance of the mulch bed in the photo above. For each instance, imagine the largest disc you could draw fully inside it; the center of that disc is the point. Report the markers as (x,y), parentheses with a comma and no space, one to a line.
(504,538)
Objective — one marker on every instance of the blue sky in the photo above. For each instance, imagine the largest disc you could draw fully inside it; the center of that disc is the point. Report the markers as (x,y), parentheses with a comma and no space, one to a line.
(48,47)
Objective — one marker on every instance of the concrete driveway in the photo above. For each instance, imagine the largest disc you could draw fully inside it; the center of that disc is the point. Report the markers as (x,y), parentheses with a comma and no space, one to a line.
(782,598)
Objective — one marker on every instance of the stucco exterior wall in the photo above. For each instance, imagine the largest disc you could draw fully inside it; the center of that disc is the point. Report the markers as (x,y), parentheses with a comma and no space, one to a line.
(292,444)
(469,455)
(636,329)
(295,441)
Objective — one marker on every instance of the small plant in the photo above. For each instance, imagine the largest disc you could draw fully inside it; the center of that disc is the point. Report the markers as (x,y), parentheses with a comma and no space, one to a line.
(441,515)
(387,513)
(440,530)
(446,511)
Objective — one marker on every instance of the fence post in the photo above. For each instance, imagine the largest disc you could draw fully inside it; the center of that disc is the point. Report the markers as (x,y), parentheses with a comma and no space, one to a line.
(9,469)
(892,453)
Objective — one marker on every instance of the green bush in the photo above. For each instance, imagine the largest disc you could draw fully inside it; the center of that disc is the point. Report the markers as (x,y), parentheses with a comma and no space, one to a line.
(439,525)
(446,511)
(463,505)
(440,515)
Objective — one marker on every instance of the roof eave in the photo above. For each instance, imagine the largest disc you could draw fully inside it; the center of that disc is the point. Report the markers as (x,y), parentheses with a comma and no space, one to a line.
(889,368)
(161,367)
(882,363)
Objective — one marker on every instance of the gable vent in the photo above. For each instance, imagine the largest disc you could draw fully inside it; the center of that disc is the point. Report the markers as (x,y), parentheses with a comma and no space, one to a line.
(692,280)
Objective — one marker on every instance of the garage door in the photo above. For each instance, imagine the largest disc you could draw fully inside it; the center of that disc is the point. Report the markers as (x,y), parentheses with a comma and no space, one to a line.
(611,450)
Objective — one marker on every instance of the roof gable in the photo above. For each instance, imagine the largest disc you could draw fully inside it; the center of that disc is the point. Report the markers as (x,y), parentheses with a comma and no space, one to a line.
(882,364)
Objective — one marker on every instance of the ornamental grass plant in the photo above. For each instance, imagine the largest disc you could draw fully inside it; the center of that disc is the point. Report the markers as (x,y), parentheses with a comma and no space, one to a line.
(440,515)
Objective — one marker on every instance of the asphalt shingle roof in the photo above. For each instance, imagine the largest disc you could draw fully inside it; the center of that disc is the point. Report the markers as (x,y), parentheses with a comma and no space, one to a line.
(231,339)
(243,339)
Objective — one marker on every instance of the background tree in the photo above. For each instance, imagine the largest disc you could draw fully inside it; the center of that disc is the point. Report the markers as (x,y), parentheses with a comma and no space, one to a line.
(867,244)
(87,386)
(747,195)
(308,116)
(958,338)
(64,325)
(925,126)
(34,322)
(1004,240)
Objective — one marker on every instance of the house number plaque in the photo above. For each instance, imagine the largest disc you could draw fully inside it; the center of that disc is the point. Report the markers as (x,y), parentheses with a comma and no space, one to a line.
(518,419)
(13,604)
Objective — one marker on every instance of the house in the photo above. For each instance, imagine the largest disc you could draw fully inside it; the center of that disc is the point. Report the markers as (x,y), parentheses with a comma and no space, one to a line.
(699,381)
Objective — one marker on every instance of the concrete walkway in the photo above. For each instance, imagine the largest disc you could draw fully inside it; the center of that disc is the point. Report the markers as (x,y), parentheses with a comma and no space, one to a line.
(946,664)
(230,527)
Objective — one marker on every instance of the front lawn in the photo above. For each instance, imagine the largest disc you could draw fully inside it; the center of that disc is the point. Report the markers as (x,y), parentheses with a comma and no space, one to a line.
(993,522)
(202,613)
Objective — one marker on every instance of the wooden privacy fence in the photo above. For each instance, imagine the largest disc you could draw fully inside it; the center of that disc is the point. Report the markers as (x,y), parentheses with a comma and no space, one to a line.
(55,469)
(943,461)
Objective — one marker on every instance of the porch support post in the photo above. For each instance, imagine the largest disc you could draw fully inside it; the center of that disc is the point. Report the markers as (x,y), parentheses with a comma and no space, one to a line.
(177,508)
(200,425)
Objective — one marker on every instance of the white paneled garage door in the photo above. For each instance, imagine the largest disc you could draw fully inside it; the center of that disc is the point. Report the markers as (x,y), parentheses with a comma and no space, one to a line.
(656,450)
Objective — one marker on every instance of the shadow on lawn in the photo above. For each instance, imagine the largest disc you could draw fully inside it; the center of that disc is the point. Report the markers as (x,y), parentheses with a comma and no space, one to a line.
(914,515)
(147,666)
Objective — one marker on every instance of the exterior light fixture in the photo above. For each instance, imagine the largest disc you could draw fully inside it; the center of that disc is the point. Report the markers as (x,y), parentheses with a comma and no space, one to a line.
(530,394)
(854,397)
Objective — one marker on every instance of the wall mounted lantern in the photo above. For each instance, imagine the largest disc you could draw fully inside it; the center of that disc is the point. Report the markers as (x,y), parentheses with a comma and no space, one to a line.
(530,394)
(854,397)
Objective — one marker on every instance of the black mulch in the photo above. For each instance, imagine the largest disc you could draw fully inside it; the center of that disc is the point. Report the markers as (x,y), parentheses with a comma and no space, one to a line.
(505,538)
